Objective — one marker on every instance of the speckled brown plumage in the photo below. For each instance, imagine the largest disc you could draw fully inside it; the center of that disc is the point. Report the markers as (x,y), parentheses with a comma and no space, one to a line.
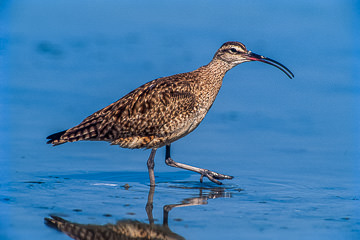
(153,115)
(165,109)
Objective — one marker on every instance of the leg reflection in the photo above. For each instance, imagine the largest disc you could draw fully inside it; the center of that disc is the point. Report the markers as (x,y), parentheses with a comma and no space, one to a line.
(149,205)
(132,229)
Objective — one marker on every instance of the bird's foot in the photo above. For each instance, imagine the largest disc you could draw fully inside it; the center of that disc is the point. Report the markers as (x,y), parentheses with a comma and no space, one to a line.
(212,176)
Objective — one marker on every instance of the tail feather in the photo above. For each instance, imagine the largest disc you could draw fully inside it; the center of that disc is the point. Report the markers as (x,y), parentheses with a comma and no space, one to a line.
(84,131)
(54,138)
(88,129)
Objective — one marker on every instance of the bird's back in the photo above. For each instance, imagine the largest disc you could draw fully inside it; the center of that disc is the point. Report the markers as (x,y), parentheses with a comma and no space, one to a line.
(150,116)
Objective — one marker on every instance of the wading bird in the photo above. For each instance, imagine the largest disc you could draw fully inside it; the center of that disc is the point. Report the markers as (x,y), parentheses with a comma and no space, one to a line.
(164,110)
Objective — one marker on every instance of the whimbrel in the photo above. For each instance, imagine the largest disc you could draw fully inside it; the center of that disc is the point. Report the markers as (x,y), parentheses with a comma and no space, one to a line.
(164,110)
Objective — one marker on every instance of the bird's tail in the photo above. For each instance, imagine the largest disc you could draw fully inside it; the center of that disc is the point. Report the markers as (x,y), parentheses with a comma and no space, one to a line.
(55,138)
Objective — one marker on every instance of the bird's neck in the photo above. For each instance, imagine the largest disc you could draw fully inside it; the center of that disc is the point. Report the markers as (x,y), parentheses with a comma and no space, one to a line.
(210,79)
(214,72)
(218,67)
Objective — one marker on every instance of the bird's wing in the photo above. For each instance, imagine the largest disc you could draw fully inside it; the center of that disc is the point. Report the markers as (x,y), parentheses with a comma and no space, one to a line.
(146,111)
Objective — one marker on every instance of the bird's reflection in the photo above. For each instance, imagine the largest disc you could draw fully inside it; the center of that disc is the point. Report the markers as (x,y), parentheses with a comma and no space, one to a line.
(132,229)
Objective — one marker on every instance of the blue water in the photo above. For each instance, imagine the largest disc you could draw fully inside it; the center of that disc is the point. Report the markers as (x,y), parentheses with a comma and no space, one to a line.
(292,145)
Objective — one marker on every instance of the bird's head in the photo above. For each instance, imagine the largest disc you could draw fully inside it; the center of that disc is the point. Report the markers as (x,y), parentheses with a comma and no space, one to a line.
(235,53)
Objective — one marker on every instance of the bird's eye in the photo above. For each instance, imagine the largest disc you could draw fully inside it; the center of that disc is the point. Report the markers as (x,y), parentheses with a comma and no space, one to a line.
(233,50)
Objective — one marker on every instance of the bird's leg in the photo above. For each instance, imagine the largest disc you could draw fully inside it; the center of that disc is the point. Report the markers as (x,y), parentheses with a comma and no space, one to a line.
(151,165)
(212,176)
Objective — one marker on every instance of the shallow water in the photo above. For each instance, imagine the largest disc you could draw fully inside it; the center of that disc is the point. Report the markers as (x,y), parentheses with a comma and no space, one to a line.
(292,145)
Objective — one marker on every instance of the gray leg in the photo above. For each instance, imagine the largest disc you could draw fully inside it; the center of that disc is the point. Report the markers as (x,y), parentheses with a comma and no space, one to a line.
(151,165)
(212,176)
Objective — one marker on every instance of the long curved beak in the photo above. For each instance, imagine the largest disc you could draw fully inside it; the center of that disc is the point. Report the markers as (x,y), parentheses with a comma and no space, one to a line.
(256,57)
